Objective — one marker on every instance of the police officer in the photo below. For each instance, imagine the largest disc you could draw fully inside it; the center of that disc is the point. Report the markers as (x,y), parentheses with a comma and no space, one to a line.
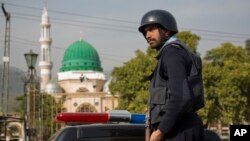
(171,118)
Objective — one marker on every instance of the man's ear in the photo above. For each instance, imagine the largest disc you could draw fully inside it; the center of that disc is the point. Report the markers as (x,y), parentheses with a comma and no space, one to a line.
(166,32)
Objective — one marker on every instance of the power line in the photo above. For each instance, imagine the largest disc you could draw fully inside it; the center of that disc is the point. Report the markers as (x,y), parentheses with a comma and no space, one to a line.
(123,21)
(122,28)
(85,25)
(73,14)
(221,40)
(218,32)
(103,55)
(227,36)
(77,23)
(233,35)
(20,40)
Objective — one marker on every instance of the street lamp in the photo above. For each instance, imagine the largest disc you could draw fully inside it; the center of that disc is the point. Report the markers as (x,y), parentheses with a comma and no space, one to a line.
(31,87)
(31,59)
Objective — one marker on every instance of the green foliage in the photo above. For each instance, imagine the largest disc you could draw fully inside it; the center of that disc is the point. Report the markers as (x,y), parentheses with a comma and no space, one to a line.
(226,79)
(248,46)
(47,111)
(226,84)
(19,104)
(130,81)
(190,39)
(227,51)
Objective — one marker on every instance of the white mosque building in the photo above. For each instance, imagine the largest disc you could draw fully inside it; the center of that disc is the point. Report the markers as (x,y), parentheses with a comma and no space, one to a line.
(81,85)
(81,82)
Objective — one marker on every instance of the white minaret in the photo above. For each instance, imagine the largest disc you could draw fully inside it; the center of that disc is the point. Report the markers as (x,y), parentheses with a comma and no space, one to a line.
(45,63)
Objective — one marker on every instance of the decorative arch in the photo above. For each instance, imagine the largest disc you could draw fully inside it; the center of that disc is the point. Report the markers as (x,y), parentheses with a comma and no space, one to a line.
(82,89)
(86,107)
(15,130)
(64,109)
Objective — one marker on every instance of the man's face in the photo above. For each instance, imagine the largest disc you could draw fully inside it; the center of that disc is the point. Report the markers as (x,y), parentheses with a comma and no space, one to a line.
(155,36)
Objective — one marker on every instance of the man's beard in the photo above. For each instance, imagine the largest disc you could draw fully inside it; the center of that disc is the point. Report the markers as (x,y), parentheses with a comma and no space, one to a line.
(159,44)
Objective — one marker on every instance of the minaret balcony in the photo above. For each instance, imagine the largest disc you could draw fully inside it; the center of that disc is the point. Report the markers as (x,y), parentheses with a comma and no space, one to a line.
(45,24)
(46,39)
(45,64)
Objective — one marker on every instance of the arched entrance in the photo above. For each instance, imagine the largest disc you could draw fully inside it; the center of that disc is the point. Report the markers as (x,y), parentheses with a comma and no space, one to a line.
(82,89)
(14,131)
(86,107)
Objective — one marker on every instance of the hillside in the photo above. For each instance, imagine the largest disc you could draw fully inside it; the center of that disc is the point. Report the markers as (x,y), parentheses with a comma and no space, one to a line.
(15,85)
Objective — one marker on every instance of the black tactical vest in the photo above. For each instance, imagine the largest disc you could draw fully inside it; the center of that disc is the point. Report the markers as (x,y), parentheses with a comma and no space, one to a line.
(160,93)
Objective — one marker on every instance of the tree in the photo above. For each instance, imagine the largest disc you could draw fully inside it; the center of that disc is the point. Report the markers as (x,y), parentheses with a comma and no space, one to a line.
(226,84)
(47,111)
(130,81)
(248,46)
(190,39)
(226,52)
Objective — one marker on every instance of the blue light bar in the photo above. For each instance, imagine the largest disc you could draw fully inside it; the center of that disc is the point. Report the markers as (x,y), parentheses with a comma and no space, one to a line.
(125,116)
(137,118)
(112,116)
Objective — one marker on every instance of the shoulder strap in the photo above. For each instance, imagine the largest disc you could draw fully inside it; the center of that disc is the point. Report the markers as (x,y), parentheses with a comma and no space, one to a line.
(194,79)
(196,60)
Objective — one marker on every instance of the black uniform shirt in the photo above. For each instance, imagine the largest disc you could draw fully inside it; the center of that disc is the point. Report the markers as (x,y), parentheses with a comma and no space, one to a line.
(175,65)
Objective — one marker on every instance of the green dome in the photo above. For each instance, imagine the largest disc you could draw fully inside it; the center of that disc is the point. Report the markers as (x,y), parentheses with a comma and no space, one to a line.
(81,56)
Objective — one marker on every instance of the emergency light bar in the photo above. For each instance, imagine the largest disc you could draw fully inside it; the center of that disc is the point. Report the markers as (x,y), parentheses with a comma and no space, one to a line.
(112,116)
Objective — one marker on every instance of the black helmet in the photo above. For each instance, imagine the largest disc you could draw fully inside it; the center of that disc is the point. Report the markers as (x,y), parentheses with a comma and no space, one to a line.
(161,17)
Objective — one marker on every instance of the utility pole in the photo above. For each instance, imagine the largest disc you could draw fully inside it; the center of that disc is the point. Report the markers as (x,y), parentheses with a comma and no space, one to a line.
(5,72)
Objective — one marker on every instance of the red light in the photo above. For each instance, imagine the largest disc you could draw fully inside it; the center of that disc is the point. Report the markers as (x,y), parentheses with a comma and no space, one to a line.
(82,117)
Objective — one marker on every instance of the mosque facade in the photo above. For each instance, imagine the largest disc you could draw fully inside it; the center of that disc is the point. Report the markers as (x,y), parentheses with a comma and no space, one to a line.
(81,84)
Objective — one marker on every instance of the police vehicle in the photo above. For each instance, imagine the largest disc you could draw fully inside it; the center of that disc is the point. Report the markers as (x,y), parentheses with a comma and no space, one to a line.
(117,125)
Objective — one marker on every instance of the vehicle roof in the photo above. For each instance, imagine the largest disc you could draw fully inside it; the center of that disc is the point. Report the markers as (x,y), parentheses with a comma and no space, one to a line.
(100,130)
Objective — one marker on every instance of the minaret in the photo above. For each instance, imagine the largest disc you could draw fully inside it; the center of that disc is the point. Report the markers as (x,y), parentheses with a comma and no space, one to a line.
(45,63)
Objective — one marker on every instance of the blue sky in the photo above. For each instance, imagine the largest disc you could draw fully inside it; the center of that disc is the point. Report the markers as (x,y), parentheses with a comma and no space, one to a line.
(111,26)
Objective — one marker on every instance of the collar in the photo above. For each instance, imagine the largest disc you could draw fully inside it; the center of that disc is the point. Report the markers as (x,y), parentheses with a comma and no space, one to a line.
(171,39)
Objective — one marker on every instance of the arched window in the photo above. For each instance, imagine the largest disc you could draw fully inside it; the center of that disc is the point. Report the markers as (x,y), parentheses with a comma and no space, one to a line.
(86,107)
